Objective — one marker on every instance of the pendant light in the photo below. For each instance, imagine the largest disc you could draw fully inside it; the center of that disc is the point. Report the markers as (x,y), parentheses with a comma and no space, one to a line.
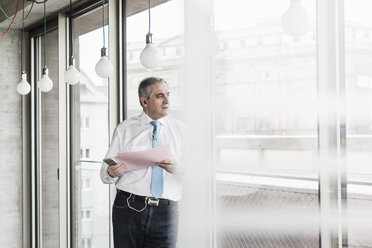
(72,75)
(45,84)
(23,86)
(295,20)
(150,55)
(104,66)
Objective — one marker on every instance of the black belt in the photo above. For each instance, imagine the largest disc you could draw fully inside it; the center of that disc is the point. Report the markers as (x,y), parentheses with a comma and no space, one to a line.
(147,199)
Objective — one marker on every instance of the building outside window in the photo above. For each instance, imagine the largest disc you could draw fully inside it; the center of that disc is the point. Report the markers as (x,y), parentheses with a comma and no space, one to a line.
(86,184)
(86,215)
(85,122)
(86,243)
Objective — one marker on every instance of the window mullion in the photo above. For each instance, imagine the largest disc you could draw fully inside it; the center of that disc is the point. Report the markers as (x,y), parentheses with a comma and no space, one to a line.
(331,125)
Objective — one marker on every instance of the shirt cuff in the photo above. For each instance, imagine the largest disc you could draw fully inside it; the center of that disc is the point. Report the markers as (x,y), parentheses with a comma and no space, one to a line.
(110,178)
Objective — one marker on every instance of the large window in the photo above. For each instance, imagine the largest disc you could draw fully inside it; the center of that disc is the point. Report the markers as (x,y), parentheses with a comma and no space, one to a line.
(358,94)
(90,136)
(265,127)
(263,166)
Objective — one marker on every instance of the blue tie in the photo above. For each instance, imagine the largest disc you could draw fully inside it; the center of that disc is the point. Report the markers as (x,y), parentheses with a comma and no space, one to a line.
(156,188)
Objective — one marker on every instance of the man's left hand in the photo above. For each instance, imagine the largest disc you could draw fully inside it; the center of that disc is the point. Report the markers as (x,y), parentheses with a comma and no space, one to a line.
(171,166)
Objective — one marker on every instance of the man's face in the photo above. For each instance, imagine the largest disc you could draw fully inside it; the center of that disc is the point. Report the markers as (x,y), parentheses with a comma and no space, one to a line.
(156,106)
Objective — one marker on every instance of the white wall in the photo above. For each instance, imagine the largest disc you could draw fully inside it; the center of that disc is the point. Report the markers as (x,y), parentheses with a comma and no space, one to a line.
(10,142)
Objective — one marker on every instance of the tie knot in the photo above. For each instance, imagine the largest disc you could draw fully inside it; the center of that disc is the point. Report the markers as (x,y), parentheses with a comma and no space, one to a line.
(155,123)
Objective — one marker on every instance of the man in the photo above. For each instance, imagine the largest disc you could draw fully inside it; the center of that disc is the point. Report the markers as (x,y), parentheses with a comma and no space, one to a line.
(145,211)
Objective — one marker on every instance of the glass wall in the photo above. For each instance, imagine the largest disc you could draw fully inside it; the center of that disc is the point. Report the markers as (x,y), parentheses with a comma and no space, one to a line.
(90,137)
(265,127)
(264,116)
(358,77)
(263,134)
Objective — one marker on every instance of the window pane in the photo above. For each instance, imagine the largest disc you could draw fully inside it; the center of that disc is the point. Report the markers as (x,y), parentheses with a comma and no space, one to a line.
(265,122)
(90,134)
(169,37)
(358,43)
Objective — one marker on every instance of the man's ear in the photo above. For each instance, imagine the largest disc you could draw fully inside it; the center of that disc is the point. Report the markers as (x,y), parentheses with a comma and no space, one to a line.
(143,100)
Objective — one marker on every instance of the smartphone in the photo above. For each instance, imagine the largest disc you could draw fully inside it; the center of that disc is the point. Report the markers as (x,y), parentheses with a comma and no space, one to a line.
(109,161)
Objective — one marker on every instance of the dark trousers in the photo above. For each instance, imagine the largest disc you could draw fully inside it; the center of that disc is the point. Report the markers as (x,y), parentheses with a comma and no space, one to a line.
(154,226)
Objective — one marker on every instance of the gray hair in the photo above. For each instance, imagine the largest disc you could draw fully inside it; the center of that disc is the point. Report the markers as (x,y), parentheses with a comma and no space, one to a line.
(144,88)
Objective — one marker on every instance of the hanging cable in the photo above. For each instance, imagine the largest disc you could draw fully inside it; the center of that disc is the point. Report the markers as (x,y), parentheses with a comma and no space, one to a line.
(104,66)
(45,84)
(23,37)
(44,33)
(13,21)
(149,16)
(23,87)
(71,75)
(103,22)
(150,56)
(70,31)
(6,32)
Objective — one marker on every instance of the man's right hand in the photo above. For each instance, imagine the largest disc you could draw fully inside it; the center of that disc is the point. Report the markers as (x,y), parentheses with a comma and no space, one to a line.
(116,170)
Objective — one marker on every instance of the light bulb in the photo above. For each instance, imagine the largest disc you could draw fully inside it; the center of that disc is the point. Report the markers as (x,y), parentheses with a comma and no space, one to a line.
(72,75)
(295,20)
(104,66)
(150,56)
(45,84)
(23,87)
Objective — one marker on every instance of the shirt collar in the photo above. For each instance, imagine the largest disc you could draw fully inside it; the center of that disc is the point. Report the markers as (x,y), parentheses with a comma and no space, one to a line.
(145,119)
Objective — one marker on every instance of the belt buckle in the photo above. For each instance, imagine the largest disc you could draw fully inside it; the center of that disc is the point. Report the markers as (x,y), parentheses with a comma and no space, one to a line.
(152,201)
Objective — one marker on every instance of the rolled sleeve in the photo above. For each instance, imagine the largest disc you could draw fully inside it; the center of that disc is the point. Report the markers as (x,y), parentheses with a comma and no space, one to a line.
(105,177)
(112,151)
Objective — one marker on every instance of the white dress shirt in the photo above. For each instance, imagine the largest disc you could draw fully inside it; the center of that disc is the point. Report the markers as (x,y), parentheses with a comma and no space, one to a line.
(135,134)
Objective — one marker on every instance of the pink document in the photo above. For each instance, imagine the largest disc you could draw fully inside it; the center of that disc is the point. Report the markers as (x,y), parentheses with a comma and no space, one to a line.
(146,158)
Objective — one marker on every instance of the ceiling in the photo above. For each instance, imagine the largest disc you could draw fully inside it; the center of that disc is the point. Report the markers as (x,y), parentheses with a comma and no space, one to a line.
(55,6)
